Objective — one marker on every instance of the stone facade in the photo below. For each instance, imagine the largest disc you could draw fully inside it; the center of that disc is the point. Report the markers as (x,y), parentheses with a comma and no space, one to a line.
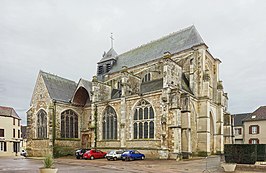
(167,104)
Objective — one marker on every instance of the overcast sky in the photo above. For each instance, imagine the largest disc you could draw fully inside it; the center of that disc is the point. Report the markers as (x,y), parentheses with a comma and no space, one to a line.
(68,38)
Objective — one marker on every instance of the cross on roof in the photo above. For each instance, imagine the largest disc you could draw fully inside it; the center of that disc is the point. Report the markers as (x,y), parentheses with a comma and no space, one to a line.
(112,40)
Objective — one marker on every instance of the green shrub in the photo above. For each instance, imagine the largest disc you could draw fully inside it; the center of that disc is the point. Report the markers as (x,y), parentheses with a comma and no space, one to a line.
(60,151)
(48,161)
(202,154)
(240,153)
(261,152)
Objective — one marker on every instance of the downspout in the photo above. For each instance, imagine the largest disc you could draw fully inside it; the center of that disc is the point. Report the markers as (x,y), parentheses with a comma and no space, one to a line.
(53,123)
(95,125)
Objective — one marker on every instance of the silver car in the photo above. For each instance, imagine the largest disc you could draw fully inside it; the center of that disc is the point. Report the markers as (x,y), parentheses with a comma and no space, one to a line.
(114,154)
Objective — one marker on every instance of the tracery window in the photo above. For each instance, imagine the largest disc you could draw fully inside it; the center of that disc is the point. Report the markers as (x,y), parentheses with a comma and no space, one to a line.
(109,124)
(69,124)
(143,123)
(41,124)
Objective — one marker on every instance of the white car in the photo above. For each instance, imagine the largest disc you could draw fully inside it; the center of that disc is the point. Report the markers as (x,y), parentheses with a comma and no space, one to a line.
(114,154)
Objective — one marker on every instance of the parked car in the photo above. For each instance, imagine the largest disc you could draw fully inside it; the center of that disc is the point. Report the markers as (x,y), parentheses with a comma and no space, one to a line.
(132,155)
(114,154)
(94,154)
(79,153)
(23,153)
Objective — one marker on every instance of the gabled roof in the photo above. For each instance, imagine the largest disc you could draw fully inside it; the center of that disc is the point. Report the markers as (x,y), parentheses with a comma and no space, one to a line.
(257,115)
(59,88)
(238,118)
(85,84)
(111,54)
(173,43)
(8,112)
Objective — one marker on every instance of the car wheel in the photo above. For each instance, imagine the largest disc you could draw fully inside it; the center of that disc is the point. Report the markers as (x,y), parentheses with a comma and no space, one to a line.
(78,157)
(142,158)
(108,159)
(131,158)
(92,158)
(115,158)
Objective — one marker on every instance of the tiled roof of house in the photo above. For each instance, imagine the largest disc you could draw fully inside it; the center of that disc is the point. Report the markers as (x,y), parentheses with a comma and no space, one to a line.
(59,88)
(173,43)
(8,112)
(257,115)
(238,118)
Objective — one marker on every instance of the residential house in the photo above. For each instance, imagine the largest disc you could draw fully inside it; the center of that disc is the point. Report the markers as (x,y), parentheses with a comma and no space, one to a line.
(239,127)
(10,132)
(255,127)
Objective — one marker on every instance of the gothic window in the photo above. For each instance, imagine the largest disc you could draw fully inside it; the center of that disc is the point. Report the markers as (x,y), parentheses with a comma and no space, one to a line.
(147,77)
(143,123)
(69,124)
(109,124)
(41,124)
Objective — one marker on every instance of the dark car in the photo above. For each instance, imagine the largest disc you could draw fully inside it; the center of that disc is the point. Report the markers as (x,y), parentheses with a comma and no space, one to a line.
(132,155)
(79,153)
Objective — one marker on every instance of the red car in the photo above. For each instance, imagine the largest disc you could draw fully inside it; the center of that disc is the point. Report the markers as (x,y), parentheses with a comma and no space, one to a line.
(94,154)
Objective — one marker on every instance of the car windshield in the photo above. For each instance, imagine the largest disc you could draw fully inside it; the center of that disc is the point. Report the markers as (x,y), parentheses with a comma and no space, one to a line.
(111,152)
(126,152)
(119,152)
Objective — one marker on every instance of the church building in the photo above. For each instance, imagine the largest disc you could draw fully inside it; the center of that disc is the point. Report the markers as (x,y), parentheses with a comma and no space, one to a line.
(164,98)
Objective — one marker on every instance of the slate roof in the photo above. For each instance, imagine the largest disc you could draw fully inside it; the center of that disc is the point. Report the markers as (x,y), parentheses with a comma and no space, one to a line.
(173,43)
(151,86)
(111,54)
(59,88)
(238,118)
(257,115)
(86,84)
(8,112)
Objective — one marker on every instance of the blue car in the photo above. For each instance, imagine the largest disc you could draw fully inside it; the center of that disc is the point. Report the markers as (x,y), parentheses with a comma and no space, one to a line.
(132,155)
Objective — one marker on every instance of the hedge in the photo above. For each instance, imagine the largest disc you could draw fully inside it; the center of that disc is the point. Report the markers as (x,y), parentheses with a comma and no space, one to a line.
(244,153)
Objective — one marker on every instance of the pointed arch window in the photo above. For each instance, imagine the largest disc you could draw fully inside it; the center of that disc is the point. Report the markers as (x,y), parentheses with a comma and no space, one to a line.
(41,124)
(109,124)
(143,123)
(69,124)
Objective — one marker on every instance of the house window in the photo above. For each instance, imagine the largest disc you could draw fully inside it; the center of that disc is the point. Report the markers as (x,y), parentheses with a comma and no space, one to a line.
(3,146)
(18,133)
(109,123)
(143,123)
(254,129)
(238,131)
(2,133)
(69,124)
(147,77)
(14,121)
(18,122)
(42,124)
(14,133)
(254,141)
